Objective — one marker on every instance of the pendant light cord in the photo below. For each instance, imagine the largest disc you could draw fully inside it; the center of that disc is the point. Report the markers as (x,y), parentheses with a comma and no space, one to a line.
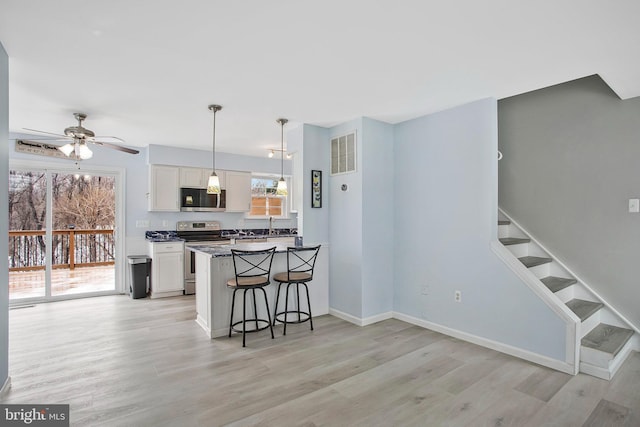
(215,108)
(214,141)
(281,149)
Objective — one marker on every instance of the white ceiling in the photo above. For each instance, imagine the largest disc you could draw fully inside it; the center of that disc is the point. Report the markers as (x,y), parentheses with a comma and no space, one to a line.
(145,70)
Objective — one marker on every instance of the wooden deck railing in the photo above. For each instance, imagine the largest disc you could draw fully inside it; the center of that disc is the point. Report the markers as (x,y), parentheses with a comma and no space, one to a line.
(69,249)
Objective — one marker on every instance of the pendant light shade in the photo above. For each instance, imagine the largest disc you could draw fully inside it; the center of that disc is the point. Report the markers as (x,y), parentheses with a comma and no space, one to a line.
(281,190)
(213,184)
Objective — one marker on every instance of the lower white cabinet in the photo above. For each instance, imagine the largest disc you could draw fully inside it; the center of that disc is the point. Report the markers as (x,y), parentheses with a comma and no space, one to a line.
(167,268)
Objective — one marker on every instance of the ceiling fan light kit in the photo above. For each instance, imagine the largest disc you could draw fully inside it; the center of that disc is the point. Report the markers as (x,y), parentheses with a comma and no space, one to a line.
(213,184)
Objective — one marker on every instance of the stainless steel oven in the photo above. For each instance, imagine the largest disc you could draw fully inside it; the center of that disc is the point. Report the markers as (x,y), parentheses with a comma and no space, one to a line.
(197,233)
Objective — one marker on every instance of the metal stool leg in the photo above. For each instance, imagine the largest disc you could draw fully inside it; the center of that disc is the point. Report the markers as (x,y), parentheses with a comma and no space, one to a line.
(244,316)
(268,314)
(233,304)
(275,310)
(298,299)
(309,305)
(286,309)
(255,308)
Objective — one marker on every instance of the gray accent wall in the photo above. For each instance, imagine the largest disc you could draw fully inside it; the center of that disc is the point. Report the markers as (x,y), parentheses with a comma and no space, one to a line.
(4,217)
(571,162)
(445,220)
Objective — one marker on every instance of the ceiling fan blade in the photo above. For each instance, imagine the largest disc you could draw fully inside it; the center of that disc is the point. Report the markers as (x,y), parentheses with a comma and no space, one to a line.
(48,133)
(49,139)
(115,138)
(116,147)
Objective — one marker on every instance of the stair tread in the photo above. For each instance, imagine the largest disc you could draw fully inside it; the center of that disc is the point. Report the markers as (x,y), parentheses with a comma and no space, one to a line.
(556,284)
(504,222)
(532,261)
(584,309)
(607,338)
(513,240)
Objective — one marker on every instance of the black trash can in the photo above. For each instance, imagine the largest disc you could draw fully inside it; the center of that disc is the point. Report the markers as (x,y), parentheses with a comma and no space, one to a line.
(139,271)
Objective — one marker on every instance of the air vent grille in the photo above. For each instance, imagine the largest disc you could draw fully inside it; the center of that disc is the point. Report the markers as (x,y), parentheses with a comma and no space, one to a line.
(343,154)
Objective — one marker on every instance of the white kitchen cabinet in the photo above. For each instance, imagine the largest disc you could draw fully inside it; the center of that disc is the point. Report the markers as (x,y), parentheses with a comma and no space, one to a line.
(164,188)
(167,268)
(198,177)
(238,186)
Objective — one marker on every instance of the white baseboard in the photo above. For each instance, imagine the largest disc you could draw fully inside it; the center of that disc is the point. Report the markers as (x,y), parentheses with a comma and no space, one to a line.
(359,321)
(5,387)
(493,345)
(484,342)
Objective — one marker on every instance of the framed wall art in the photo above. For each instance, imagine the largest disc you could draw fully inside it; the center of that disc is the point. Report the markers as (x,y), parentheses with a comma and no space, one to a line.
(316,189)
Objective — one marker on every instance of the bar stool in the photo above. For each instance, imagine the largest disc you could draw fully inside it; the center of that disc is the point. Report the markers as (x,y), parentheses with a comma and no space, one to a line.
(300,264)
(252,270)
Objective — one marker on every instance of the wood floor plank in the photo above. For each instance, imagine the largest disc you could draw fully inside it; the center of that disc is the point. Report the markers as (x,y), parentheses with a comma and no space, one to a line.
(121,362)
(608,414)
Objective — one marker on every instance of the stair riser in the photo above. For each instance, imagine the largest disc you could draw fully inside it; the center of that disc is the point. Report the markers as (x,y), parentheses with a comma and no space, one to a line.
(557,270)
(595,357)
(608,317)
(540,271)
(566,294)
(519,250)
(509,231)
(589,323)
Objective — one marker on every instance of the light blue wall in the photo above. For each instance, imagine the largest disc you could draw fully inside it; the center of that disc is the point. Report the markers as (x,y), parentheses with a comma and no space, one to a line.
(4,217)
(445,197)
(345,231)
(315,221)
(378,205)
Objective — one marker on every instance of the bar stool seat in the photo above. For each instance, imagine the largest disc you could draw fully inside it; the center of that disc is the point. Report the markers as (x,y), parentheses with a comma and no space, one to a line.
(252,270)
(300,264)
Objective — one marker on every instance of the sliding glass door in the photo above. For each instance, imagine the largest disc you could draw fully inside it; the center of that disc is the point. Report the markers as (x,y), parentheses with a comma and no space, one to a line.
(61,234)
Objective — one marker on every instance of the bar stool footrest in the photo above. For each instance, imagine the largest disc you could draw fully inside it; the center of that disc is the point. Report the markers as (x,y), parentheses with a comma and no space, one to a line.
(277,318)
(253,321)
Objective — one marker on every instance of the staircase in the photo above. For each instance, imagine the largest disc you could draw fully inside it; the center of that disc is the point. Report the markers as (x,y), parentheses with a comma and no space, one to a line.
(606,338)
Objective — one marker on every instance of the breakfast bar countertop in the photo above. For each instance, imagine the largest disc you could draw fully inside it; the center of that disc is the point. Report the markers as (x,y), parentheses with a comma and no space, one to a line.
(215,251)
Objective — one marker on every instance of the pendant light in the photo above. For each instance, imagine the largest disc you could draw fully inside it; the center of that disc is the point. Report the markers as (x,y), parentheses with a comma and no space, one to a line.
(213,185)
(282,184)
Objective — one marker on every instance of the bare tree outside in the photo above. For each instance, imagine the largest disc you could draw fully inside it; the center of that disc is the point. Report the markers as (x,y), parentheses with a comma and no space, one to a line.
(80,203)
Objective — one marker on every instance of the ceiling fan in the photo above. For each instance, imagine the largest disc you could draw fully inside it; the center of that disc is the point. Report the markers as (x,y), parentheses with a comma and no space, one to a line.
(78,137)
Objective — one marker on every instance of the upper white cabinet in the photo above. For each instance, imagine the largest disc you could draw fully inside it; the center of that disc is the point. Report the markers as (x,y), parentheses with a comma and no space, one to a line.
(198,177)
(164,185)
(238,186)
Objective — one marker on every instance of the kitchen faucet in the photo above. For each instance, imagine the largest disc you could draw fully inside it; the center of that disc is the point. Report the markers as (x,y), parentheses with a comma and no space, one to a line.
(270,225)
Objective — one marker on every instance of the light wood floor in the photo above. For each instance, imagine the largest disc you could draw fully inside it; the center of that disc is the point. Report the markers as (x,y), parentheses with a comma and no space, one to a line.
(123,362)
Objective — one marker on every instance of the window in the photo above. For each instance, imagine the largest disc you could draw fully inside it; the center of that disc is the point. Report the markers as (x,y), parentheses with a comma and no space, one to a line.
(343,154)
(264,201)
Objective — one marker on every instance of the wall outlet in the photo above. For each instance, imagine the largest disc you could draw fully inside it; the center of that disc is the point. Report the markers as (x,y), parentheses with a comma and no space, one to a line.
(142,223)
(457,296)
(634,205)
(165,223)
(425,289)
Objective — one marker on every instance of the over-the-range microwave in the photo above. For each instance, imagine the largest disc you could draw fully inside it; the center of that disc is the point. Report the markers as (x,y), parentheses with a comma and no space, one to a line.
(197,200)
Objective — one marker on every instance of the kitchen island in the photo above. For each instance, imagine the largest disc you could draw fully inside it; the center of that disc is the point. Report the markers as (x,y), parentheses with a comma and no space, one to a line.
(214,266)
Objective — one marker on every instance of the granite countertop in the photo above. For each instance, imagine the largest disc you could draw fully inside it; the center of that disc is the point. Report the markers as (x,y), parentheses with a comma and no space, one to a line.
(225,250)
(164,236)
(171,235)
